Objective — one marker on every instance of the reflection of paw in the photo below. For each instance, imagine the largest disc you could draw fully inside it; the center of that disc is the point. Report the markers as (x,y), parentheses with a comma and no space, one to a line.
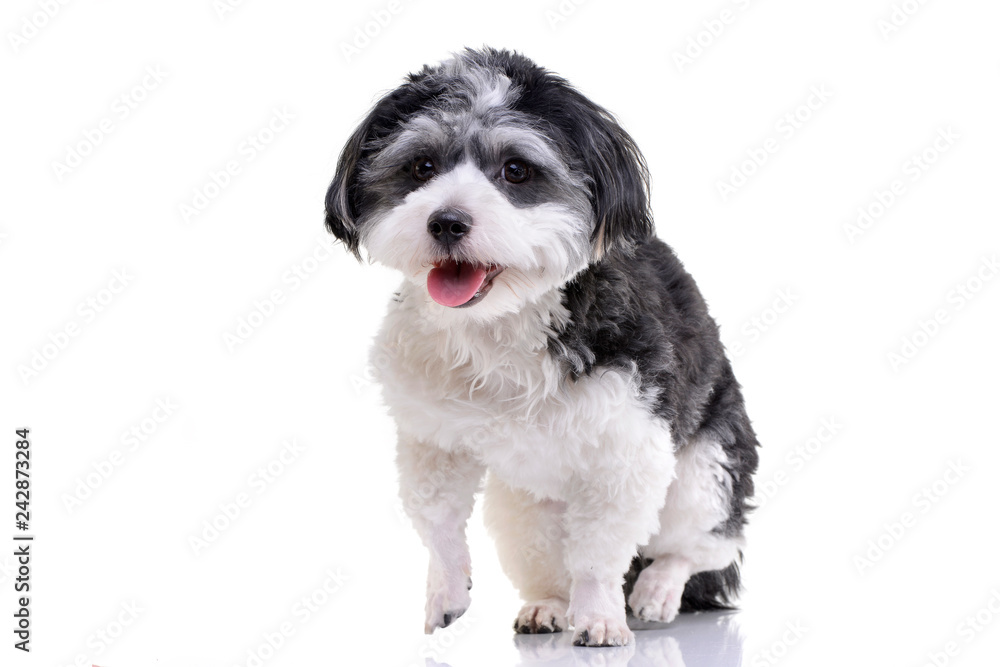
(656,596)
(548,615)
(601,631)
(542,649)
(658,648)
(447,599)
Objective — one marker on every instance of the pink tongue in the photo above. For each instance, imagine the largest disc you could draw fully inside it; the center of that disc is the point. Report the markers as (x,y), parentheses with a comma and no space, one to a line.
(454,283)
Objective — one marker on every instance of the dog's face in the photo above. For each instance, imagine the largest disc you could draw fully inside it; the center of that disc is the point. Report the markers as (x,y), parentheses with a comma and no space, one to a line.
(488,181)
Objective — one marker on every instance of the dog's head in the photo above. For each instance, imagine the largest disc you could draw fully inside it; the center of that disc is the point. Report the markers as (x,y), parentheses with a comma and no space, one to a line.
(489,181)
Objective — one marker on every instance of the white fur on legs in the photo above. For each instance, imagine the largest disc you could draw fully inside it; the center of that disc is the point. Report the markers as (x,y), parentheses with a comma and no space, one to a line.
(697,502)
(657,593)
(597,613)
(529,536)
(437,489)
(606,516)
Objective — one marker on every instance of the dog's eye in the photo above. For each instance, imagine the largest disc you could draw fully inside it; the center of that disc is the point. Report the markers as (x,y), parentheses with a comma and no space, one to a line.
(516,171)
(423,169)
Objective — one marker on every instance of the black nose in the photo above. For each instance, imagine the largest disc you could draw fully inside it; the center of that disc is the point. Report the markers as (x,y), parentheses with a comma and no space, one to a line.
(449,225)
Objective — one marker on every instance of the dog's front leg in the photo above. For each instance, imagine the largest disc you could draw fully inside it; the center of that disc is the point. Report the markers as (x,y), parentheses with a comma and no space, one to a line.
(437,489)
(607,515)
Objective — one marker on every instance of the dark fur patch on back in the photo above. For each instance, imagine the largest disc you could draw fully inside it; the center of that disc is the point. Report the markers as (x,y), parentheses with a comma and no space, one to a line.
(642,310)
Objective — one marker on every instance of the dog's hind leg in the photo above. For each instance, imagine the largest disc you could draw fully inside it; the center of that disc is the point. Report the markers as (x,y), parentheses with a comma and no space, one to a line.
(692,563)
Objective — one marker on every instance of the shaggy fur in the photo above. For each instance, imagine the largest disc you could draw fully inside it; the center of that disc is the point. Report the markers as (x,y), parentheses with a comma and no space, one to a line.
(584,380)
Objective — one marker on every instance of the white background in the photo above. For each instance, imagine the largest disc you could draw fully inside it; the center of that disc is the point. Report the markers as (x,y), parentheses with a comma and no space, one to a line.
(301,374)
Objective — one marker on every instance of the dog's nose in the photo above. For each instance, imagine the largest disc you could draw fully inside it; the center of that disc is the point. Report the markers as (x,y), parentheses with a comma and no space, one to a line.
(449,225)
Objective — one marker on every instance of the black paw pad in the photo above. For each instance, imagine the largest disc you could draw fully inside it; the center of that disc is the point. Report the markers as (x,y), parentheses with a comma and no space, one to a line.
(582,639)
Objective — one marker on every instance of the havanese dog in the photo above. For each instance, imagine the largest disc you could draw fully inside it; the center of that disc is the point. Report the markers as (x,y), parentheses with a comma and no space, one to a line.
(546,348)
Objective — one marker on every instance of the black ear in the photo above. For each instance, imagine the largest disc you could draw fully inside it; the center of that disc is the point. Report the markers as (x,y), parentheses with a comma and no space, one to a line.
(346,200)
(341,198)
(620,179)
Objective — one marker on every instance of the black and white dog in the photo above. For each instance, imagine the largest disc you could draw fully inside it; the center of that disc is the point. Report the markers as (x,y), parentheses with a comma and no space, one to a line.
(545,336)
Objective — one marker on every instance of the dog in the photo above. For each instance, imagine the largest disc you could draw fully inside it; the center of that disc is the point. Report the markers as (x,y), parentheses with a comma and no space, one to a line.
(546,348)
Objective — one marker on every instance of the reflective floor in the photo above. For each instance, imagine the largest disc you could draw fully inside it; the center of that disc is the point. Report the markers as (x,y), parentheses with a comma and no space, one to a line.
(693,640)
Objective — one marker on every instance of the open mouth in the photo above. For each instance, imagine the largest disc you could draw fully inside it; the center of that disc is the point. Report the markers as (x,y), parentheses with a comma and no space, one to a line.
(459,284)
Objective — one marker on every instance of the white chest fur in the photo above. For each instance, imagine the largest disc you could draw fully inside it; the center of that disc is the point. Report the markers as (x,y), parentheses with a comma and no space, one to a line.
(498,393)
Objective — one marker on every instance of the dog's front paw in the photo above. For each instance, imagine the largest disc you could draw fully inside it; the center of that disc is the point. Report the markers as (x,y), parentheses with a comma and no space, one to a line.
(548,615)
(601,631)
(447,599)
